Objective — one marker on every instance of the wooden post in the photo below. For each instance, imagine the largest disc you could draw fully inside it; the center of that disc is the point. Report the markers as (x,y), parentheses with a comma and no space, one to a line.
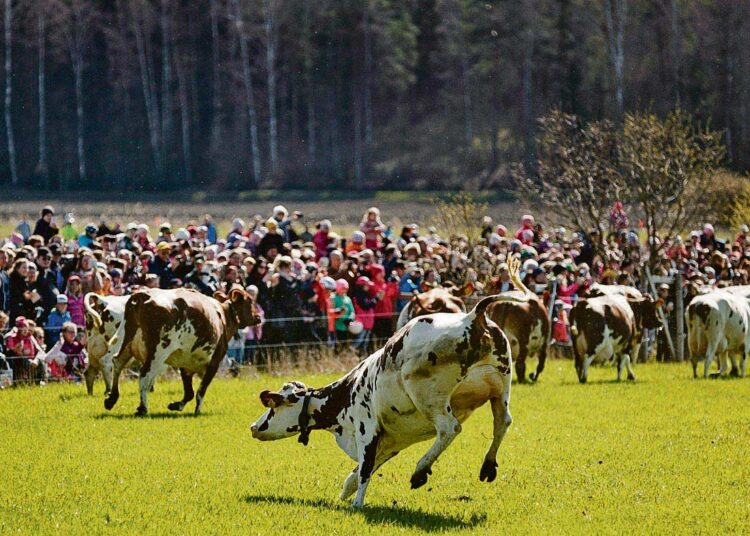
(679,311)
(662,317)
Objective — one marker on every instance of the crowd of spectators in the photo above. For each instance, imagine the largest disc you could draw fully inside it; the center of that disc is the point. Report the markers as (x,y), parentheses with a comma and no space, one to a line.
(313,284)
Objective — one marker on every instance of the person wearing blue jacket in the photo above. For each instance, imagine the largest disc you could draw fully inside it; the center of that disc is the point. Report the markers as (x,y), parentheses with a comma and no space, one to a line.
(57,317)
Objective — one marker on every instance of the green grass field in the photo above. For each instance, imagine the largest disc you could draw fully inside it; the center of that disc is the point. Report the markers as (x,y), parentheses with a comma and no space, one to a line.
(666,455)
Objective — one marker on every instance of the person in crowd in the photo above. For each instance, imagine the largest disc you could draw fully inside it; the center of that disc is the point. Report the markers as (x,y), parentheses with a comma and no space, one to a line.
(20,342)
(373,228)
(285,303)
(45,227)
(21,298)
(67,358)
(254,334)
(342,313)
(364,302)
(68,231)
(58,316)
(86,239)
(75,297)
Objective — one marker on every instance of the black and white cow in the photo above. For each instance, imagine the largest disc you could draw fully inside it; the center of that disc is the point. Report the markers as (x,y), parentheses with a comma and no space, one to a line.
(427,380)
(718,324)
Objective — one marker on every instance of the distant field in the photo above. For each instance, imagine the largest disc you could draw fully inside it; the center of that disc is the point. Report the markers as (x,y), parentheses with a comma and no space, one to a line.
(398,208)
(666,455)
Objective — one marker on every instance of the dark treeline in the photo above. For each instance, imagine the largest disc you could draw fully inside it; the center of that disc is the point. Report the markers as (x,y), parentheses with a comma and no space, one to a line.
(241,94)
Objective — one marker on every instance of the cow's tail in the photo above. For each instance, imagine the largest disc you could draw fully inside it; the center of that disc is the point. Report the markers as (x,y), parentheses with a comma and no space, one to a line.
(479,313)
(697,329)
(129,325)
(96,319)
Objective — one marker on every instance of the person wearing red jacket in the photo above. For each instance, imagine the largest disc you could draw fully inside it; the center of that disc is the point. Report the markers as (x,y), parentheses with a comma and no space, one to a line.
(20,342)
(386,292)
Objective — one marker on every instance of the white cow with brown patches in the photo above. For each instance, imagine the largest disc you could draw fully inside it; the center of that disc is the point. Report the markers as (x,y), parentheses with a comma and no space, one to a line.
(104,314)
(426,381)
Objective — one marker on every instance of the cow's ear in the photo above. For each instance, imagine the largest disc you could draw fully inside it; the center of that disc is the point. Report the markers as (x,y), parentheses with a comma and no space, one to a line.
(237,294)
(220,296)
(464,291)
(270,399)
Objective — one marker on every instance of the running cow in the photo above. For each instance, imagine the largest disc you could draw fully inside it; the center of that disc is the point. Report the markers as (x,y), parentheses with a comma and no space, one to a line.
(179,328)
(605,329)
(104,315)
(526,324)
(718,323)
(427,380)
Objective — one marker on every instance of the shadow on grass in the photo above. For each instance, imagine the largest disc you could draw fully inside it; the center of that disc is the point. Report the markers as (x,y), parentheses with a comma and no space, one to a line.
(160,415)
(399,516)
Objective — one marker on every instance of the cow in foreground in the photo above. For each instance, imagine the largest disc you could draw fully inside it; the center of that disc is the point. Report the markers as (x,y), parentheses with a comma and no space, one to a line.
(427,380)
(606,329)
(104,314)
(718,323)
(445,299)
(179,328)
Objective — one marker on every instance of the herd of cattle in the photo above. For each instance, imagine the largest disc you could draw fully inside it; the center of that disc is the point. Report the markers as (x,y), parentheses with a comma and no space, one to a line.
(441,364)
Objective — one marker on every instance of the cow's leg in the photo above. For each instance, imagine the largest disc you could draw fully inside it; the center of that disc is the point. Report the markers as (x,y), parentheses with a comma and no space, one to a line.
(90,376)
(367,451)
(735,372)
(502,419)
(118,366)
(534,376)
(187,390)
(743,363)
(211,369)
(710,353)
(520,359)
(350,484)
(152,368)
(447,428)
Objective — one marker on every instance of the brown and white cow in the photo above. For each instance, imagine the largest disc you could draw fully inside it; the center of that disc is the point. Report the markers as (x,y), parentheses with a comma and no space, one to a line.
(605,329)
(180,328)
(526,324)
(718,323)
(427,380)
(437,300)
(104,314)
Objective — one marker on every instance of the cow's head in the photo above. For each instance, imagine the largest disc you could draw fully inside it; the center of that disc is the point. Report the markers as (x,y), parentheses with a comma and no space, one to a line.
(282,418)
(436,301)
(244,306)
(644,310)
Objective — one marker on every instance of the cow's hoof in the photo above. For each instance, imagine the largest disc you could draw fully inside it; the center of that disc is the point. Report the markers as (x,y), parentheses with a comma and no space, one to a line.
(176,406)
(734,373)
(533,377)
(631,377)
(714,376)
(141,412)
(109,403)
(489,471)
(419,479)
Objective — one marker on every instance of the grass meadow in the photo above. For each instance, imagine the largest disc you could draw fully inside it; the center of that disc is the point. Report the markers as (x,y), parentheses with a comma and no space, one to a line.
(665,455)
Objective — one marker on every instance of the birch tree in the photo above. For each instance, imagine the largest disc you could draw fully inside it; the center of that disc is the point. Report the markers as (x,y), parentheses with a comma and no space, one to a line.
(273,136)
(248,85)
(9,91)
(615,16)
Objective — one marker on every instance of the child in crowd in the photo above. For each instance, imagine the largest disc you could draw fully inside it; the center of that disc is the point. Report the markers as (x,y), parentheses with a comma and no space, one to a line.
(57,317)
(342,312)
(75,301)
(67,358)
(364,307)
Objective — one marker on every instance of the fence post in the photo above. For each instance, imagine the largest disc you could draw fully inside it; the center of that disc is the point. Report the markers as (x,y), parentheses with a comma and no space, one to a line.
(679,310)
(662,317)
